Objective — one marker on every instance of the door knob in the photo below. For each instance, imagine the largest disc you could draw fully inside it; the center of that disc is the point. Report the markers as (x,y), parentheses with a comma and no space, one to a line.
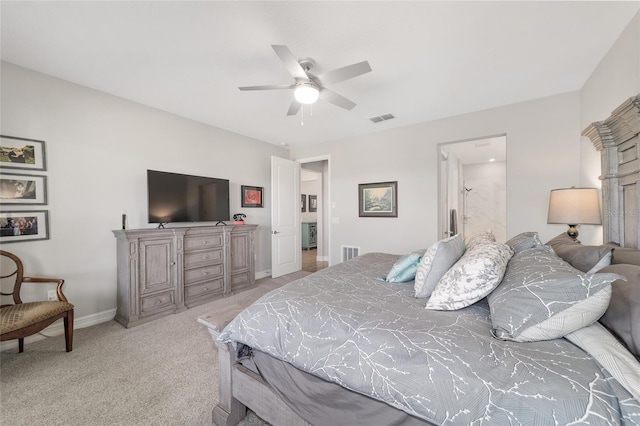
(275,232)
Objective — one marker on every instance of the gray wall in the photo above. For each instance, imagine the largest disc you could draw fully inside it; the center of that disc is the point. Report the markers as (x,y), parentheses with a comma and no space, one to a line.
(98,149)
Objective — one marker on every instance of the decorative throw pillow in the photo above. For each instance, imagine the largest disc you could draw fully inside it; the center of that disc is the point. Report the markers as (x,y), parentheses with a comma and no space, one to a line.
(542,297)
(622,317)
(585,258)
(483,237)
(474,276)
(524,241)
(436,262)
(405,268)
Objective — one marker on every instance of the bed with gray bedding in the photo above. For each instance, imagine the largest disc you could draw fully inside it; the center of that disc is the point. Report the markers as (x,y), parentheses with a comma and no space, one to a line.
(345,327)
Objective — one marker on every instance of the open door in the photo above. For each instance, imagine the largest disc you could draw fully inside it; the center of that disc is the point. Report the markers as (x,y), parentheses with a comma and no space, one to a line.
(286,246)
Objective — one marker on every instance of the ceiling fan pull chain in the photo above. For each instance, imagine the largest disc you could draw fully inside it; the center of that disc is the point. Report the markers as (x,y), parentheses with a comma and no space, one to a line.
(302,115)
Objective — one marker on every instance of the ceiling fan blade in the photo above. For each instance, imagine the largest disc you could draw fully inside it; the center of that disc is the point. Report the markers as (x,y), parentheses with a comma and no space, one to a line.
(294,107)
(345,73)
(290,61)
(334,98)
(269,87)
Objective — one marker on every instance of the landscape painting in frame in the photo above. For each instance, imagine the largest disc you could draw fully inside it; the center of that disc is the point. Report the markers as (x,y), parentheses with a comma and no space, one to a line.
(251,196)
(21,153)
(19,189)
(19,226)
(378,199)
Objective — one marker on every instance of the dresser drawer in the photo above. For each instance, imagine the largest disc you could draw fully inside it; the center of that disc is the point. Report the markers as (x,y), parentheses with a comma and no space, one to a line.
(150,304)
(204,273)
(197,242)
(199,258)
(202,289)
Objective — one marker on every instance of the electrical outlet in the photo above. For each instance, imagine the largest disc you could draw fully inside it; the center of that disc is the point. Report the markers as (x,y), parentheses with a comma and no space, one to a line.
(51,295)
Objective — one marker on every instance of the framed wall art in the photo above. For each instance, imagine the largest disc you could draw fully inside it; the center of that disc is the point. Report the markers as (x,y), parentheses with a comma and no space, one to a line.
(19,189)
(378,199)
(303,203)
(21,153)
(251,196)
(19,226)
(313,203)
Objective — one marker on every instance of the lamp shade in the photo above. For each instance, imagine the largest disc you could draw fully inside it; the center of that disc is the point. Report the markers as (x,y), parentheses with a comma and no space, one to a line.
(573,206)
(306,93)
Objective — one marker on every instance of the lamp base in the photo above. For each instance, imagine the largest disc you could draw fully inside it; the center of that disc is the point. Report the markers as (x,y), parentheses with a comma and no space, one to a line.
(573,232)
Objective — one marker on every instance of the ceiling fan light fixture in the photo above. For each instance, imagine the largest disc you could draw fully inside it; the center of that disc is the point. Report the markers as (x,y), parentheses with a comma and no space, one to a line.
(306,93)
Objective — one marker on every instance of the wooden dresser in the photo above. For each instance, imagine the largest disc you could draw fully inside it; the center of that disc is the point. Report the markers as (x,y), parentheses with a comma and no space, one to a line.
(163,271)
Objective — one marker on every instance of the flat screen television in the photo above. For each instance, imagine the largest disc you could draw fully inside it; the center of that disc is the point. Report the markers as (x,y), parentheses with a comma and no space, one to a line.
(174,197)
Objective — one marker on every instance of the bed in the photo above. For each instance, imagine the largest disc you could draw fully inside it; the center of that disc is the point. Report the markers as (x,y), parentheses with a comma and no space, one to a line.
(535,337)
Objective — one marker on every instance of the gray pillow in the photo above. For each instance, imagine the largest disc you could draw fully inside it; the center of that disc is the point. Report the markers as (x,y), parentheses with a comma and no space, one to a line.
(476,274)
(436,262)
(584,258)
(524,241)
(541,297)
(622,317)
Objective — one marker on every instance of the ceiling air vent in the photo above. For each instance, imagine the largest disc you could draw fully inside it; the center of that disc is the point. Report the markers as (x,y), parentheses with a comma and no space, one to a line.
(383,117)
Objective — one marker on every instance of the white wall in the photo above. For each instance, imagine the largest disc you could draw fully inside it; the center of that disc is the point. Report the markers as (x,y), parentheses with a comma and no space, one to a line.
(543,137)
(98,149)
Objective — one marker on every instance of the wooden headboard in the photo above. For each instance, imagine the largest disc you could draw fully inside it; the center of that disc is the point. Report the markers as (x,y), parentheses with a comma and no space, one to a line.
(617,138)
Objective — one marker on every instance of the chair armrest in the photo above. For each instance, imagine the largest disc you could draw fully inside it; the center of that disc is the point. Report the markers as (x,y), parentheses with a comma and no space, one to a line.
(59,281)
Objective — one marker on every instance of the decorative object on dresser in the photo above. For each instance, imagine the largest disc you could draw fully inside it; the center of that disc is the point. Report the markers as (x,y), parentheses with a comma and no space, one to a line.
(22,153)
(20,319)
(303,203)
(574,206)
(251,196)
(163,271)
(378,199)
(309,235)
(238,218)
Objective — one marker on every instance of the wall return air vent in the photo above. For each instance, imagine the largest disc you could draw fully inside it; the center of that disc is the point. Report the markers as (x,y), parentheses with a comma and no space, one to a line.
(349,252)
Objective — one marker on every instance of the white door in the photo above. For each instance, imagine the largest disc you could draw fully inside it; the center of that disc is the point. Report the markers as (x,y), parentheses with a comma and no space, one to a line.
(286,247)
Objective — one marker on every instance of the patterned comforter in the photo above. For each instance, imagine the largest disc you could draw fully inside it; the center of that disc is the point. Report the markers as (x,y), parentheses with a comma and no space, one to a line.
(344,325)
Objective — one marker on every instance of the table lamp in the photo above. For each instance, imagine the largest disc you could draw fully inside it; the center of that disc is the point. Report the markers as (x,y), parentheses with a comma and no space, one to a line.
(574,206)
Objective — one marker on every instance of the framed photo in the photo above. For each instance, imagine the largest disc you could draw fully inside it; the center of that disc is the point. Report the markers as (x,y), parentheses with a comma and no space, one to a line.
(303,203)
(21,153)
(251,196)
(378,199)
(17,189)
(313,203)
(22,226)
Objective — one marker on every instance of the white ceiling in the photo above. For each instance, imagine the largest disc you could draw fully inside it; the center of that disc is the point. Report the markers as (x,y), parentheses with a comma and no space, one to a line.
(429,59)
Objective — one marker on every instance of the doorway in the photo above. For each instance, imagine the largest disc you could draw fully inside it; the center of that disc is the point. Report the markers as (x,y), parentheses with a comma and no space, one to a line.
(472,187)
(314,214)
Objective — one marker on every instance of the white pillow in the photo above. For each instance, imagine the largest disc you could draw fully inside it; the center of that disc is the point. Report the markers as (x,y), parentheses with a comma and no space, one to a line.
(474,276)
(436,262)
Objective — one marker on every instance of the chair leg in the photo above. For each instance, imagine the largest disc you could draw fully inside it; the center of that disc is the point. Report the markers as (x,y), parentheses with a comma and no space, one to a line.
(20,344)
(68,331)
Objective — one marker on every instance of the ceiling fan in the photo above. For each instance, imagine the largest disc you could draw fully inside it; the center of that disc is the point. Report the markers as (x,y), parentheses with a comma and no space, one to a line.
(309,87)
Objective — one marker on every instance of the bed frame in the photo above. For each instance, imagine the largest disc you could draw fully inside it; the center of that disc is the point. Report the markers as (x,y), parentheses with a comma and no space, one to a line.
(618,140)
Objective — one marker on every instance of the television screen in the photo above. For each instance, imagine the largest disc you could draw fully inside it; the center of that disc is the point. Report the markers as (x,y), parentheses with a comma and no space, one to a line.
(174,197)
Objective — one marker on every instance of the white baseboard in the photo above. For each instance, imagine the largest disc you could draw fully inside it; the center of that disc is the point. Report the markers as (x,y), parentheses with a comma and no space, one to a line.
(263,274)
(57,328)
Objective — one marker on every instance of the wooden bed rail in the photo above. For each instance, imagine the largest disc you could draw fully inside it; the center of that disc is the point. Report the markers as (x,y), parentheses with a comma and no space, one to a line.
(240,388)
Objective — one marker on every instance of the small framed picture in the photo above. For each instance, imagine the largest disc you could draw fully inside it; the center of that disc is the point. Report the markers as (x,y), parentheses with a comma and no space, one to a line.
(378,199)
(313,203)
(251,196)
(18,189)
(22,226)
(303,203)
(21,153)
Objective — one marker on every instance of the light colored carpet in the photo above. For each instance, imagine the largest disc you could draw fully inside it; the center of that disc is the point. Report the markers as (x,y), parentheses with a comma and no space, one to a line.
(164,372)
